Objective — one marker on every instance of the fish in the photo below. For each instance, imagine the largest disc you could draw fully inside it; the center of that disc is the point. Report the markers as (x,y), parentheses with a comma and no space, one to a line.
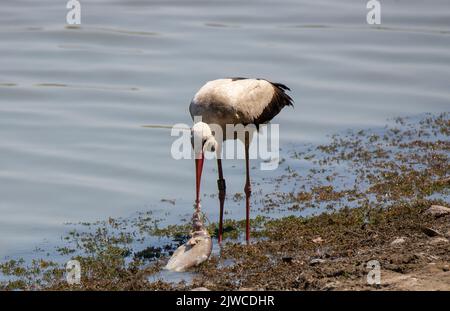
(195,251)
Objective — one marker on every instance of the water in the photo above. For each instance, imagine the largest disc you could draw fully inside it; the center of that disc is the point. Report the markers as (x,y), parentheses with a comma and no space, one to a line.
(73,99)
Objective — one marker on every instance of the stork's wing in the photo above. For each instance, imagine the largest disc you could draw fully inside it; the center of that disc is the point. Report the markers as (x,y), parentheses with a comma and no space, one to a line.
(278,101)
(252,101)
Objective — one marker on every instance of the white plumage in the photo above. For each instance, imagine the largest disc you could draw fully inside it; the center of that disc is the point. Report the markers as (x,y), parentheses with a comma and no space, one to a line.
(239,101)
(233,101)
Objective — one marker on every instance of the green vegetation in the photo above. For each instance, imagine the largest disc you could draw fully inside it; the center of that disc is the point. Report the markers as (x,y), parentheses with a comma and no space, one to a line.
(373,185)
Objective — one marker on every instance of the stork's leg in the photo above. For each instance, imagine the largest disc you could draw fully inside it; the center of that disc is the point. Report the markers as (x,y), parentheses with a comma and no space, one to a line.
(247,189)
(222,190)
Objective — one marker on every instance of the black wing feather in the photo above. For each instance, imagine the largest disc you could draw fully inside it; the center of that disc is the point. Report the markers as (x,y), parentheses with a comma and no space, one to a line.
(279,100)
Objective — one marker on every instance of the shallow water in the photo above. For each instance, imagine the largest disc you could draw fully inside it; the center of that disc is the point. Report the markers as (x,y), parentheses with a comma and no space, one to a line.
(73,99)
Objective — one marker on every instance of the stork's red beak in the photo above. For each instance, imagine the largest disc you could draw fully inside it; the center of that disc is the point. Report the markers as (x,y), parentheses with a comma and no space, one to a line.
(198,177)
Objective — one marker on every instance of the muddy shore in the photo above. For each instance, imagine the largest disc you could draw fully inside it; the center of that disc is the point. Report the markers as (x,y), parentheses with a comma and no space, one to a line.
(392,214)
(333,251)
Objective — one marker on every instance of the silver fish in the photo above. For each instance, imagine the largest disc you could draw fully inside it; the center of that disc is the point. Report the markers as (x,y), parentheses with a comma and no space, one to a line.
(193,252)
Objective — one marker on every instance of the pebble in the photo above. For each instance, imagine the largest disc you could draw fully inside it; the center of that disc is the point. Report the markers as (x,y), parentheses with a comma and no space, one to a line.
(316,261)
(398,241)
(431,232)
(200,289)
(287,259)
(331,285)
(318,240)
(438,210)
(438,240)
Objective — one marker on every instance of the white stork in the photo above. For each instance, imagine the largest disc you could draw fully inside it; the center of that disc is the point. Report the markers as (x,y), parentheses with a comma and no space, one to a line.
(233,101)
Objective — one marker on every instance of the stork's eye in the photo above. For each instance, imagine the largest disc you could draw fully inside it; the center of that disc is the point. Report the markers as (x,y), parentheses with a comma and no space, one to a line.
(209,145)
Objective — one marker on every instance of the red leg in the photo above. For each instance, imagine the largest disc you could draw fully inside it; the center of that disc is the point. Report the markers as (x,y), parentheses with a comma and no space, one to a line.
(247,189)
(222,191)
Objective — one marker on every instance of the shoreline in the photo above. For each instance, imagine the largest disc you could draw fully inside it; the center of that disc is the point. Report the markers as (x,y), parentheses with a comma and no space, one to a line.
(377,210)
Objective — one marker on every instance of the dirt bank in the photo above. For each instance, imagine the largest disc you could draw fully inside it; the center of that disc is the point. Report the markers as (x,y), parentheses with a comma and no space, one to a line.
(373,191)
(332,251)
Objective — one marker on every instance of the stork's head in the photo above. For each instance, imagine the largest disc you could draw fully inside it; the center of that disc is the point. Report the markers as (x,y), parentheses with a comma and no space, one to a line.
(202,139)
